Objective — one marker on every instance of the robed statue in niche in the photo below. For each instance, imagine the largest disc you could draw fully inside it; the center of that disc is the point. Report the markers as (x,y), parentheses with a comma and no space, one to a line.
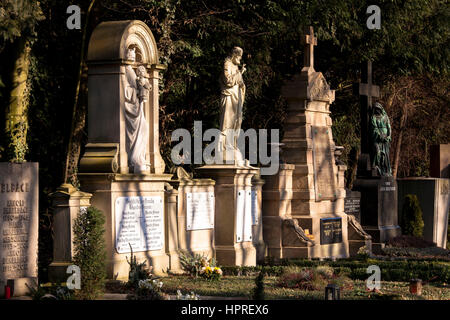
(231,101)
(137,89)
(380,133)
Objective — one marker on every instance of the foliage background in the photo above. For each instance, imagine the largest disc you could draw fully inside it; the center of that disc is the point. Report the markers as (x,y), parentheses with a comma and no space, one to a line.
(410,54)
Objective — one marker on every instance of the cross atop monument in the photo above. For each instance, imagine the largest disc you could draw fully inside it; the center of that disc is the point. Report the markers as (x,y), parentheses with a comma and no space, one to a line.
(309,41)
(368,89)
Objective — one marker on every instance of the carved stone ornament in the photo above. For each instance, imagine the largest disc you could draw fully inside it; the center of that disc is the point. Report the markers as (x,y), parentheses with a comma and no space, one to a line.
(293,223)
(319,90)
(357,227)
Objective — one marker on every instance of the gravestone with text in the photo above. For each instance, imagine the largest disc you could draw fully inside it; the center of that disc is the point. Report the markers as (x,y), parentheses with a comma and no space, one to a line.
(312,223)
(122,166)
(19,205)
(352,204)
(195,214)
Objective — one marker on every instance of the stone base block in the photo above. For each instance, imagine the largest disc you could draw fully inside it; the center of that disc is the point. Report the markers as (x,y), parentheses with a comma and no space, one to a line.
(294,252)
(57,271)
(238,255)
(355,245)
(106,189)
(383,233)
(19,286)
(119,267)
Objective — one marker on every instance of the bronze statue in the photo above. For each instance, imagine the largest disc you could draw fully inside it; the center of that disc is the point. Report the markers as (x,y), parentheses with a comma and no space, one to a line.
(380,134)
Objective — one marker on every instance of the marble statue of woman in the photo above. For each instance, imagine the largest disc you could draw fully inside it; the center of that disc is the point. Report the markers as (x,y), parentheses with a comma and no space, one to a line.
(137,129)
(232,99)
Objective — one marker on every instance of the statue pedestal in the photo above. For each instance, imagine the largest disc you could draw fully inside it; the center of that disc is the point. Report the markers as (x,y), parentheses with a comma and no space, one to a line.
(235,243)
(67,202)
(379,208)
(139,210)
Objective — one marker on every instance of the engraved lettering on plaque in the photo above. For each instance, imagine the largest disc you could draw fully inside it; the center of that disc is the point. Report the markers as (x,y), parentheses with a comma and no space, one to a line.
(139,223)
(199,210)
(18,220)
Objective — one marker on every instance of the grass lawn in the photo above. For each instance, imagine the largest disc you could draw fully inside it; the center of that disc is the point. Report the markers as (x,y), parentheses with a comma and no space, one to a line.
(241,286)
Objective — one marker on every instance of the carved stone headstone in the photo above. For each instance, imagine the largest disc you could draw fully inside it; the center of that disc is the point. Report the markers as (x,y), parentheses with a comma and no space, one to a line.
(19,218)
(123,99)
(352,204)
(122,166)
(315,188)
(195,215)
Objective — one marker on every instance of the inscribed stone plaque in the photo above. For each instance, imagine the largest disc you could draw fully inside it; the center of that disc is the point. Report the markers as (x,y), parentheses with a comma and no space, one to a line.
(244,216)
(352,204)
(255,209)
(330,230)
(387,186)
(323,164)
(139,223)
(19,206)
(199,210)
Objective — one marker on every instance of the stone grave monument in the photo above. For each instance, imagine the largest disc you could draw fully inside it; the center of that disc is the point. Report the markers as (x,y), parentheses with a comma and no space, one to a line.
(374,178)
(19,205)
(303,205)
(195,213)
(237,187)
(434,199)
(122,167)
(67,202)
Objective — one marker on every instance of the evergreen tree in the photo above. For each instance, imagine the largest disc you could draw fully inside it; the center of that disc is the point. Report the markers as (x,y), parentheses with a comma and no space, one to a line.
(90,254)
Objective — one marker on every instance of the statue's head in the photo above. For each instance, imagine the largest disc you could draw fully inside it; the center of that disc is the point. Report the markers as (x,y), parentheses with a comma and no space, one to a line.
(131,54)
(141,71)
(378,108)
(236,55)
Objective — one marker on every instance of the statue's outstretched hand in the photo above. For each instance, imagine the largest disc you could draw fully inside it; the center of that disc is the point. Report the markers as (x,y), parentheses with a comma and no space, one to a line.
(243,69)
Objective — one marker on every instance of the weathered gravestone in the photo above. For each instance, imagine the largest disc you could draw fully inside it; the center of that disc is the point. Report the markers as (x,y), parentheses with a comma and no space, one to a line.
(195,214)
(122,167)
(378,188)
(352,204)
(303,205)
(19,205)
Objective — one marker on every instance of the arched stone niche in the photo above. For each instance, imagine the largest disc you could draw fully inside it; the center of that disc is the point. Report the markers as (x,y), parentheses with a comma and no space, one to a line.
(108,149)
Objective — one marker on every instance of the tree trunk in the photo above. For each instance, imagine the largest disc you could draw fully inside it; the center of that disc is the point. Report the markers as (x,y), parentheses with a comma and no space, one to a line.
(16,126)
(399,140)
(78,117)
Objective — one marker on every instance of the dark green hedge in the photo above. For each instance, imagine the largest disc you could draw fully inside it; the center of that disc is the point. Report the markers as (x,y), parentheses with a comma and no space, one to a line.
(390,270)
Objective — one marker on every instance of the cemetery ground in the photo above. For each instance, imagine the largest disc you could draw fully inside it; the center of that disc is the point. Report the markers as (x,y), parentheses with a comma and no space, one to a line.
(299,279)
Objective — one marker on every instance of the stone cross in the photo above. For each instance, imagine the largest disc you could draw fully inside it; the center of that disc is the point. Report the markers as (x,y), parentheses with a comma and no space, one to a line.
(309,41)
(367,91)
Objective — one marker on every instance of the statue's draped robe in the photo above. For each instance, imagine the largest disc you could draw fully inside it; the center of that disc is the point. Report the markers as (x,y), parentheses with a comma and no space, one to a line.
(136,125)
(381,137)
(232,100)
